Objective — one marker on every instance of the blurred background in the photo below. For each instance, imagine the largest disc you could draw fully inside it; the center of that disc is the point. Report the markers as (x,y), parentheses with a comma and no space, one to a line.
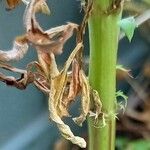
(24,123)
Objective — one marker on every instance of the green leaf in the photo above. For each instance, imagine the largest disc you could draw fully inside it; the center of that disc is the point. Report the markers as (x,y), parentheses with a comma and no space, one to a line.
(139,145)
(128,26)
(121,94)
(125,98)
(121,143)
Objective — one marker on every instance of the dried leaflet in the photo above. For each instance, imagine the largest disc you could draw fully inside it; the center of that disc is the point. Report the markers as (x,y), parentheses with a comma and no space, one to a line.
(40,80)
(19,49)
(85,101)
(11,68)
(12,4)
(74,84)
(20,46)
(29,15)
(20,83)
(45,61)
(96,104)
(71,58)
(58,84)
(59,35)
(51,40)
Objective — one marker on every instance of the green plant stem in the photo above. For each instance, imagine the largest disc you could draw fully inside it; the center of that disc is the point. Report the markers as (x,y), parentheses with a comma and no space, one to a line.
(103,35)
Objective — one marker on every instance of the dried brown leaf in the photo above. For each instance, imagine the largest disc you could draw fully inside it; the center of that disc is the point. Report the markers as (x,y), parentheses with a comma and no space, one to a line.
(59,35)
(29,16)
(97,104)
(74,85)
(45,61)
(85,101)
(12,4)
(48,41)
(60,81)
(40,81)
(64,129)
(20,83)
(51,40)
(58,84)
(19,49)
(11,68)
(42,86)
(42,7)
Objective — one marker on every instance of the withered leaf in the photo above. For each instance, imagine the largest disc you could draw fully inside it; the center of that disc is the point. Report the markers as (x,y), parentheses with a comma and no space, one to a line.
(42,7)
(57,87)
(35,66)
(64,129)
(59,35)
(29,18)
(85,98)
(51,40)
(19,49)
(40,81)
(62,87)
(45,61)
(72,89)
(48,41)
(26,78)
(42,86)
(59,83)
(74,83)
(11,68)
(96,108)
(12,4)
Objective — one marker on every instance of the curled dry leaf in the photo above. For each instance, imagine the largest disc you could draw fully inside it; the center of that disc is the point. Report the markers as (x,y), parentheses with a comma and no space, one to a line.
(42,7)
(59,83)
(10,68)
(12,4)
(64,129)
(51,40)
(48,41)
(59,35)
(21,83)
(40,80)
(45,60)
(85,98)
(73,87)
(19,49)
(56,110)
(29,18)
(97,105)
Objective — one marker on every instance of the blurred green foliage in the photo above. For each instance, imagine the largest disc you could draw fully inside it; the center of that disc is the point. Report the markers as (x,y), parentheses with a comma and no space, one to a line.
(126,144)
